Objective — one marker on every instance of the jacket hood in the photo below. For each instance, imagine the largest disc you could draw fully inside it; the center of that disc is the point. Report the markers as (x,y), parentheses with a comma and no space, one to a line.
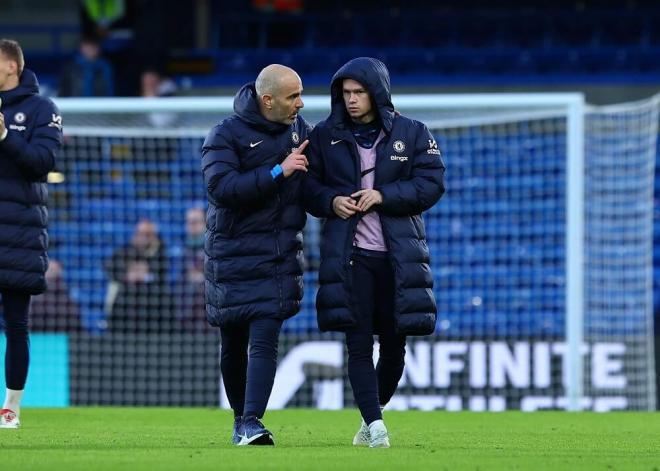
(375,77)
(246,108)
(27,86)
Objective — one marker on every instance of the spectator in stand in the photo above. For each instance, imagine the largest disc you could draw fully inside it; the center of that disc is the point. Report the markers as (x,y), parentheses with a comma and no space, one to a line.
(192,311)
(137,298)
(154,85)
(88,74)
(54,310)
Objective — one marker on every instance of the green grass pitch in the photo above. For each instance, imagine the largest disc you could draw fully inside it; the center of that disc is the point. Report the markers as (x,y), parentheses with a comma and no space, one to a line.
(174,439)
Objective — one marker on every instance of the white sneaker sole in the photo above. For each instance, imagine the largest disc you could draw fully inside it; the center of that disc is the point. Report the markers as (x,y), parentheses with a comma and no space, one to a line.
(261,439)
(9,425)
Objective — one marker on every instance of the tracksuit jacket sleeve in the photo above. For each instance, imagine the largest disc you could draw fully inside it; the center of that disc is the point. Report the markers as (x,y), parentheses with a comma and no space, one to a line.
(36,157)
(424,187)
(225,183)
(317,196)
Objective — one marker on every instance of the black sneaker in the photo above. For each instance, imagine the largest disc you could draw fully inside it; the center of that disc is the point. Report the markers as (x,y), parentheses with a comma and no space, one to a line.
(253,432)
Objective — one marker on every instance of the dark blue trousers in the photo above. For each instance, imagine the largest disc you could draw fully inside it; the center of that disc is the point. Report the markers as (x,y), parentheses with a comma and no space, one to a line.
(15,307)
(373,302)
(249,377)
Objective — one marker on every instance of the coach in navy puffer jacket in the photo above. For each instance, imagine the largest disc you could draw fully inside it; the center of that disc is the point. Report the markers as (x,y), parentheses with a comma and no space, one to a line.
(252,164)
(254,240)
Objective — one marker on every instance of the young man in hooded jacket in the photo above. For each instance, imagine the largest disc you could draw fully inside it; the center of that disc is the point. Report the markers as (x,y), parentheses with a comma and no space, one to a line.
(30,138)
(372,174)
(253,164)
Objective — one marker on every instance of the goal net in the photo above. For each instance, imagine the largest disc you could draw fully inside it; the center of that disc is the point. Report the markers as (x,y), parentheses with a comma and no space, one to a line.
(541,251)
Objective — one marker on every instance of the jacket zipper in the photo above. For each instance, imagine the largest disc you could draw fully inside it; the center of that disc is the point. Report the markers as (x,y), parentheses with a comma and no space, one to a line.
(355,222)
(386,237)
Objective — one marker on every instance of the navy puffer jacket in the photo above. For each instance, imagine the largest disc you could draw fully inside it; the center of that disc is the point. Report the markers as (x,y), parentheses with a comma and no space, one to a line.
(254,259)
(27,155)
(409,175)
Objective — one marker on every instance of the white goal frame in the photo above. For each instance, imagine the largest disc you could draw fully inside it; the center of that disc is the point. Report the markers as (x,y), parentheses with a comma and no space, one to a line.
(572,105)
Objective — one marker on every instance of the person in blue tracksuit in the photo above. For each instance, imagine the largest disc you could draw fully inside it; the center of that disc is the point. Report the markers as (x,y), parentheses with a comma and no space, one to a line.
(30,138)
(253,164)
(372,173)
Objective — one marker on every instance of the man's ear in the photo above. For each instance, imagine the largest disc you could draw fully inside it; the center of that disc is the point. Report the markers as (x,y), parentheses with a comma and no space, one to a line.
(267,101)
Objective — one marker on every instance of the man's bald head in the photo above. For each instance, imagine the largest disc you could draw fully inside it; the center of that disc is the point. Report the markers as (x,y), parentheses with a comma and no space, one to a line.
(272,77)
(279,90)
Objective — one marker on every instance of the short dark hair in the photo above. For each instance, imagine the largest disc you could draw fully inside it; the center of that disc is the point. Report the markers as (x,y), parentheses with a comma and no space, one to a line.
(12,50)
